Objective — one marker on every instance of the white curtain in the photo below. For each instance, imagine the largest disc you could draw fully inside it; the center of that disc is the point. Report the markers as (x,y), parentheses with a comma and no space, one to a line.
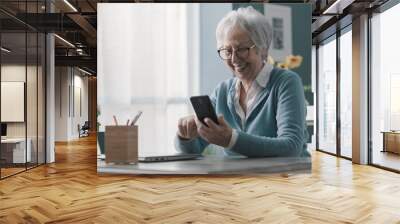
(148,61)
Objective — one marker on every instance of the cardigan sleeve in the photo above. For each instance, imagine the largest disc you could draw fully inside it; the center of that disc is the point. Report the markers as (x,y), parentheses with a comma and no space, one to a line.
(195,146)
(198,144)
(290,118)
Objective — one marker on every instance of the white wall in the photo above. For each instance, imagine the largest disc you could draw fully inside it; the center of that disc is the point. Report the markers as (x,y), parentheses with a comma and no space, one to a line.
(12,73)
(80,82)
(61,103)
(68,81)
(145,63)
(33,126)
(212,68)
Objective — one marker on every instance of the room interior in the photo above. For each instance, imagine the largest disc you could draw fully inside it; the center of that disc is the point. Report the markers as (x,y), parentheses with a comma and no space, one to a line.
(49,90)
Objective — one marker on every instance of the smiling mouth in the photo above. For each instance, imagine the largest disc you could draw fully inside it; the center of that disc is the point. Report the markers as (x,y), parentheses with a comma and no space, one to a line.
(240,68)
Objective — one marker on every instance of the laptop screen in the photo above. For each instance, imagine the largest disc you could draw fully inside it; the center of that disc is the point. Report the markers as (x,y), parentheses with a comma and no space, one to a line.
(3,129)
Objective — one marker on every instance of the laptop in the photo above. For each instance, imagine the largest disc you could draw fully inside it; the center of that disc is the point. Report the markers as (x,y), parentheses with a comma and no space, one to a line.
(3,131)
(170,157)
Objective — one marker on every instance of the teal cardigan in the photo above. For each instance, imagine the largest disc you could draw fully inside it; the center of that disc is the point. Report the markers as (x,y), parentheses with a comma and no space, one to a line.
(276,125)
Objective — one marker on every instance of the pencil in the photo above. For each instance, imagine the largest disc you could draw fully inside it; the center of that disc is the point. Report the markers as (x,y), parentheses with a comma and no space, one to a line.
(115,120)
(136,118)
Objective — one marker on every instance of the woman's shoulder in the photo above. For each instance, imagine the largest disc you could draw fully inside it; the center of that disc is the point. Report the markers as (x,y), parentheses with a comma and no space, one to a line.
(281,76)
(223,89)
(285,73)
(226,85)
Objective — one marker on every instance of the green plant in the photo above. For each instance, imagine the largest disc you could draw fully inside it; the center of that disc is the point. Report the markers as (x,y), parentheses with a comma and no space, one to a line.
(98,123)
(307,88)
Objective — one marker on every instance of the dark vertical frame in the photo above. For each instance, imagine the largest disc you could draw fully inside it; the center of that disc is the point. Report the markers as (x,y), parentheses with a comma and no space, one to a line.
(80,102)
(36,164)
(369,78)
(1,166)
(69,93)
(316,96)
(37,90)
(73,91)
(338,73)
(60,86)
(44,79)
(26,86)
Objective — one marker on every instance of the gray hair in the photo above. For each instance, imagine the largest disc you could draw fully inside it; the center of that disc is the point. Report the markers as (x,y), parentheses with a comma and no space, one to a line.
(251,21)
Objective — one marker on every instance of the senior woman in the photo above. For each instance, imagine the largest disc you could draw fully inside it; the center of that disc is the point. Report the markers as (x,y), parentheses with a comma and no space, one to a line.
(261,108)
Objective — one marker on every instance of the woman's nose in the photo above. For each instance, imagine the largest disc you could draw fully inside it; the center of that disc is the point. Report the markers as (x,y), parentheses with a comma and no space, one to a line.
(235,58)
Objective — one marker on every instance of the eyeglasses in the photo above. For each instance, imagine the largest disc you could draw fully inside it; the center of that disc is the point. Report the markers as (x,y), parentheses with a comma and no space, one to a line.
(243,52)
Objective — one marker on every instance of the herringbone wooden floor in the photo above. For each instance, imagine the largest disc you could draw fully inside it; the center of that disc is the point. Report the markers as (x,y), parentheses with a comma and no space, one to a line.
(70,191)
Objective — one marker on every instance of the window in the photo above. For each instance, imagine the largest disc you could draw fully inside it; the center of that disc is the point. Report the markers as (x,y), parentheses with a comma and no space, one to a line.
(22,77)
(346,93)
(149,50)
(330,134)
(327,96)
(385,85)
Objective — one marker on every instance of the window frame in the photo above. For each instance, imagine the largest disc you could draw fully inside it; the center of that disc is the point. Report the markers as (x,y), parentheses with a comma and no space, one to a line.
(333,37)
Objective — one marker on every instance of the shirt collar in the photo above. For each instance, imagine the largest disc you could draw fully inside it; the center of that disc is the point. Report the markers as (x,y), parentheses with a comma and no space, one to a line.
(262,77)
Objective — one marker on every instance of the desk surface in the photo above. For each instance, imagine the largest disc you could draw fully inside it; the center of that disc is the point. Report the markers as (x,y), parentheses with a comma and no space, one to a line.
(13,140)
(212,165)
(390,132)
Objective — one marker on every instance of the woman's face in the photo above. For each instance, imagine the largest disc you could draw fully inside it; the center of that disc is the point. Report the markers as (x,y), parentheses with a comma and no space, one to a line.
(243,67)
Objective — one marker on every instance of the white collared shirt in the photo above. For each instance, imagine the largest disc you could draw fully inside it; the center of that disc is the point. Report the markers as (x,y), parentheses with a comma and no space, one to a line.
(256,87)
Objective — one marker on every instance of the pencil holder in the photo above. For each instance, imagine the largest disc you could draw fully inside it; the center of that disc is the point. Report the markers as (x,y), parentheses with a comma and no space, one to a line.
(121,144)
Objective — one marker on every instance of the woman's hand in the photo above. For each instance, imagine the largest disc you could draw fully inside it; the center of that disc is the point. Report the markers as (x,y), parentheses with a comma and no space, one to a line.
(187,128)
(216,134)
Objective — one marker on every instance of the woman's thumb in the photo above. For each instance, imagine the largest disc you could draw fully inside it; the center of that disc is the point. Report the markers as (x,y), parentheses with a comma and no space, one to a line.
(221,120)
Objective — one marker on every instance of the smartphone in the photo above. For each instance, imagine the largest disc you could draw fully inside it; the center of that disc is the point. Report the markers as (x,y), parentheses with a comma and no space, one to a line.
(203,108)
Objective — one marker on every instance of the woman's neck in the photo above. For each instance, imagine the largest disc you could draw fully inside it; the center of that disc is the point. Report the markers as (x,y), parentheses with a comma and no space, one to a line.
(246,83)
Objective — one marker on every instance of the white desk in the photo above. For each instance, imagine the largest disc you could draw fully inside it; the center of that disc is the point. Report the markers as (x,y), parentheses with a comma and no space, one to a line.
(18,148)
(213,165)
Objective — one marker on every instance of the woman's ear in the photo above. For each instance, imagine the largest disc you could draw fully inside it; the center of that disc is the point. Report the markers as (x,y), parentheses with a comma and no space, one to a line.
(264,54)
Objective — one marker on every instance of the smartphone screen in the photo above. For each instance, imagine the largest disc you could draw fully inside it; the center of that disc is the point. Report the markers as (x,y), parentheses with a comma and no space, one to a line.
(203,108)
